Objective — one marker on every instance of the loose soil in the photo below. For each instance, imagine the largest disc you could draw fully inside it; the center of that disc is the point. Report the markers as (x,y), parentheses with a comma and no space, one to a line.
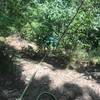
(64,84)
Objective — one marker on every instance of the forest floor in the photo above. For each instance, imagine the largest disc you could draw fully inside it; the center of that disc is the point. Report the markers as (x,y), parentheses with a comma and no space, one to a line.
(63,83)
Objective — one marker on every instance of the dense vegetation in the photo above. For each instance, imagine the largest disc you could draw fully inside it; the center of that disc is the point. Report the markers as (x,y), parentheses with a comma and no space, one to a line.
(69,27)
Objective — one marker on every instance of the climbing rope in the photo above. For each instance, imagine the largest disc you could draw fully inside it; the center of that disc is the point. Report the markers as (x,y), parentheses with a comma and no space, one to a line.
(48,93)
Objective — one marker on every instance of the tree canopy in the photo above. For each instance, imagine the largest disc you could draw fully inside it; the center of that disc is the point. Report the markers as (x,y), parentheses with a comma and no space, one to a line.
(65,24)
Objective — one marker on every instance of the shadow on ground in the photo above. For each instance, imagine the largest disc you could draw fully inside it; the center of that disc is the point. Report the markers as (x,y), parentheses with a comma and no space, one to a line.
(92,71)
(11,84)
(57,62)
(67,91)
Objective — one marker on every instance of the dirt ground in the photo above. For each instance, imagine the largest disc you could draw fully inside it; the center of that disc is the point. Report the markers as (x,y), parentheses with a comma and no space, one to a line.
(64,84)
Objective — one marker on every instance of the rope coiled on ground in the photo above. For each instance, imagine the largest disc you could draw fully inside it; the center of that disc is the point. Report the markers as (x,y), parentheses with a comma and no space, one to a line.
(48,93)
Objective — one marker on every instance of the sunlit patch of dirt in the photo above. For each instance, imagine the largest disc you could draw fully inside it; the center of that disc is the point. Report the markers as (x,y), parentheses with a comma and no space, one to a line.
(18,43)
(55,83)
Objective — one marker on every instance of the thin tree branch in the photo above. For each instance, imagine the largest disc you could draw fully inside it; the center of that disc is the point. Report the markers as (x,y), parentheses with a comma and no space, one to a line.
(65,31)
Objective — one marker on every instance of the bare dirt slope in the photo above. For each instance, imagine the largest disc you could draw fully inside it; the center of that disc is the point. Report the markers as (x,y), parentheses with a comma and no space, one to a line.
(64,84)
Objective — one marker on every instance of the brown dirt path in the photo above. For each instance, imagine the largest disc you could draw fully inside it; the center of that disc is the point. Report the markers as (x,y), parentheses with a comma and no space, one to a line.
(64,84)
(58,82)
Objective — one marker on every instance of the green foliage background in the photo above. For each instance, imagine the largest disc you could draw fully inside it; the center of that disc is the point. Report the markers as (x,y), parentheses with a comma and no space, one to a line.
(44,22)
